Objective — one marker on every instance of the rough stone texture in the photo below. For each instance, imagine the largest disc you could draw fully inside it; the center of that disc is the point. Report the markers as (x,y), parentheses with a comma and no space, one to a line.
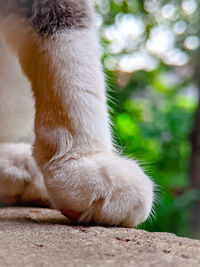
(42,237)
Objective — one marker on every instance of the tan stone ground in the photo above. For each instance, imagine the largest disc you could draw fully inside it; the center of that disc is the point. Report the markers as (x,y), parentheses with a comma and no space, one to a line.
(42,237)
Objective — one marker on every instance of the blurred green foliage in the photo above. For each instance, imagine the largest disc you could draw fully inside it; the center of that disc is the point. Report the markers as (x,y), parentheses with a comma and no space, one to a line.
(152,106)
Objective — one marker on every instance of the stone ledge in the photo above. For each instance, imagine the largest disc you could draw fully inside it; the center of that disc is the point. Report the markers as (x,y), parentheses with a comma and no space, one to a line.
(42,237)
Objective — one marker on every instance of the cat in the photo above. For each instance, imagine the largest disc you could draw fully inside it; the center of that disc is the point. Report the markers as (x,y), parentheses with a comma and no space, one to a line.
(56,146)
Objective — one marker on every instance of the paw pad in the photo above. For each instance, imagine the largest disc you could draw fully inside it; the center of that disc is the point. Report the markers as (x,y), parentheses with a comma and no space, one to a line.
(75,216)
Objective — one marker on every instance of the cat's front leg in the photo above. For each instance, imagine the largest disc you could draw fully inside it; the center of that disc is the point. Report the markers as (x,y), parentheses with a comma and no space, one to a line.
(86,179)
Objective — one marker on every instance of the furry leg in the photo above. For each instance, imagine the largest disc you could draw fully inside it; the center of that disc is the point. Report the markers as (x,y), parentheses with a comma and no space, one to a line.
(85,177)
(20,179)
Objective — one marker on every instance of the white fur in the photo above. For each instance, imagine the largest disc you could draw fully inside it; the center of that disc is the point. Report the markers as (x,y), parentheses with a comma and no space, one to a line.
(15,98)
(73,146)
(19,174)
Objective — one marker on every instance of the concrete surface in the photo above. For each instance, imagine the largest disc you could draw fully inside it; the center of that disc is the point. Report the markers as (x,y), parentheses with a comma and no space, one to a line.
(42,237)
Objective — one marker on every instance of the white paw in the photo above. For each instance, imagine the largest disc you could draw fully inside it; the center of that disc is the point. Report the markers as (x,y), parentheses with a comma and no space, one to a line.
(20,178)
(101,188)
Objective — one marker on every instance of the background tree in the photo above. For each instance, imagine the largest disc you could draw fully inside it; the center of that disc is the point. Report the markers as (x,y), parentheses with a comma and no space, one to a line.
(151,54)
(195,161)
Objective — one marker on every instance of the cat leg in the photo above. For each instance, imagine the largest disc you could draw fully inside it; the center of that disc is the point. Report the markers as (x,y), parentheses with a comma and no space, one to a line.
(20,179)
(86,179)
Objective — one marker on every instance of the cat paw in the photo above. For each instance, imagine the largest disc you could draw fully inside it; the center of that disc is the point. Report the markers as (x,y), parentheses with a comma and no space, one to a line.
(20,179)
(101,189)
